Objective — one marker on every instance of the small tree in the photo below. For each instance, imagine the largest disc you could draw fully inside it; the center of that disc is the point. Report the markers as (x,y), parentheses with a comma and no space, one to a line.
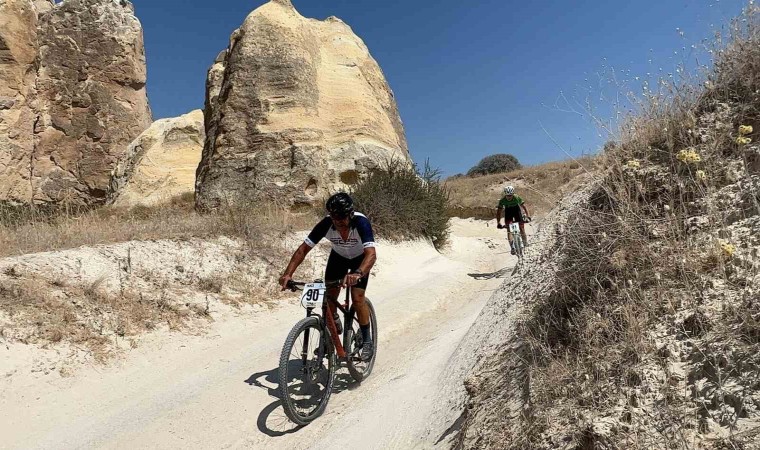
(502,162)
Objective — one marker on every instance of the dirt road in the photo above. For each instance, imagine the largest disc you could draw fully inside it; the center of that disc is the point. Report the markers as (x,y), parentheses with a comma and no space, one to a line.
(218,389)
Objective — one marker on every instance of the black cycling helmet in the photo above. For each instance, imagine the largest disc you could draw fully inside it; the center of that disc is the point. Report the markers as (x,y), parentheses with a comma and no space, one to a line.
(340,205)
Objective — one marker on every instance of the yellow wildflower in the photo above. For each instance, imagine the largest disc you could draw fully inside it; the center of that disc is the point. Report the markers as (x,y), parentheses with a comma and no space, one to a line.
(728,249)
(701,175)
(743,140)
(633,164)
(689,155)
(745,129)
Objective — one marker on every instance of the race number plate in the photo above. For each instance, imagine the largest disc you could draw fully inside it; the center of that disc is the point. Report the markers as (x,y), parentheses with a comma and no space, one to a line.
(313,294)
(514,227)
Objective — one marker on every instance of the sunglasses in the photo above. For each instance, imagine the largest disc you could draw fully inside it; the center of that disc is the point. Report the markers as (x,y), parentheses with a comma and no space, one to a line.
(338,216)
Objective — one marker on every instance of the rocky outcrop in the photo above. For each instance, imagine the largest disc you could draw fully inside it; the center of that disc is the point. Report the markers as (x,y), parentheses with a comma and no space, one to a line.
(72,97)
(43,6)
(161,163)
(295,107)
(91,94)
(18,50)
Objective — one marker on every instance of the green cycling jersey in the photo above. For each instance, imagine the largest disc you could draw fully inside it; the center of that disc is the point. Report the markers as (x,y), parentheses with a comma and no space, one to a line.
(510,203)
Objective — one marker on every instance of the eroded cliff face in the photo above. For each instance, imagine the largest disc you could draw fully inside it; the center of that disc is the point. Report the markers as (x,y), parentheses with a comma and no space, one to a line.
(18,51)
(295,108)
(91,97)
(74,83)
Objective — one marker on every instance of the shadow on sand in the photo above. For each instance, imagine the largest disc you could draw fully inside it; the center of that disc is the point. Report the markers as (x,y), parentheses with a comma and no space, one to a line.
(272,420)
(501,273)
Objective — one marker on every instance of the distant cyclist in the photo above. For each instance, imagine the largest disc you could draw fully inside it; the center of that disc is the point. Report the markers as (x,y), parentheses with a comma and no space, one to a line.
(353,250)
(511,204)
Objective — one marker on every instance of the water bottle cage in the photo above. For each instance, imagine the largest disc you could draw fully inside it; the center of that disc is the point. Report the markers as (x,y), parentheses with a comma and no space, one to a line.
(338,325)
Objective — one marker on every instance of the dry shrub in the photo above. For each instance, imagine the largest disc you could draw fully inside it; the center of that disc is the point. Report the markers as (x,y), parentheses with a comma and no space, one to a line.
(603,300)
(642,260)
(404,203)
(736,76)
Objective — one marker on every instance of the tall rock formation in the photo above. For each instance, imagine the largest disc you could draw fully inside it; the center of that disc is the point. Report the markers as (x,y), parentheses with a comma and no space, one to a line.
(91,97)
(78,73)
(295,108)
(160,163)
(18,51)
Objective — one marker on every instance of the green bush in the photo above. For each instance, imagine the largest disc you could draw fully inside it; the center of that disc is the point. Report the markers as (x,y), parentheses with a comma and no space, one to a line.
(404,203)
(498,163)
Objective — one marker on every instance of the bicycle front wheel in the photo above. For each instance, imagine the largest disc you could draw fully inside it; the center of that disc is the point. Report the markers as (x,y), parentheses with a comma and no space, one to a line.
(519,248)
(307,371)
(353,343)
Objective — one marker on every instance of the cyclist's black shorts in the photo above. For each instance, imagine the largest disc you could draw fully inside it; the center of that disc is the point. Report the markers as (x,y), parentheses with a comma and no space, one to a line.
(513,214)
(338,267)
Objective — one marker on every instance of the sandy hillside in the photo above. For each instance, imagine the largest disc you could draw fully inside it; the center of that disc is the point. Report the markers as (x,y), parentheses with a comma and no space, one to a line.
(541,186)
(216,388)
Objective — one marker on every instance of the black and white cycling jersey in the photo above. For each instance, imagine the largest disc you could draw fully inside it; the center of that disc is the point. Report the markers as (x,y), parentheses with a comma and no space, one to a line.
(359,236)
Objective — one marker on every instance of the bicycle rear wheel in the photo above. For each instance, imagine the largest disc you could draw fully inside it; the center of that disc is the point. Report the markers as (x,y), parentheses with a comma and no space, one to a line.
(307,371)
(353,343)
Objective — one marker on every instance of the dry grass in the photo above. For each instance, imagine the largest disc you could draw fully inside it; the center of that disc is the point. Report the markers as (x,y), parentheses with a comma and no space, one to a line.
(24,230)
(648,283)
(540,186)
(91,317)
(85,316)
(44,308)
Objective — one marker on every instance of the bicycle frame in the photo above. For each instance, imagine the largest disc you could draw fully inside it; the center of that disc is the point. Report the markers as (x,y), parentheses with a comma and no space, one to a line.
(329,321)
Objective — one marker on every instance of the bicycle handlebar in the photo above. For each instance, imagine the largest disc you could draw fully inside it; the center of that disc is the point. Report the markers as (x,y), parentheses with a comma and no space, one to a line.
(298,285)
(526,219)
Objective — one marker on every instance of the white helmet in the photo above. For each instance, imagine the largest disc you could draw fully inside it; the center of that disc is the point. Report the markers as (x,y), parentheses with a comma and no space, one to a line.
(509,190)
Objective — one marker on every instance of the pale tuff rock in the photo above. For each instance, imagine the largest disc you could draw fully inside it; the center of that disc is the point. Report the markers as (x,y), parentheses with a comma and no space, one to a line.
(295,108)
(161,163)
(91,94)
(18,50)
(72,97)
(43,6)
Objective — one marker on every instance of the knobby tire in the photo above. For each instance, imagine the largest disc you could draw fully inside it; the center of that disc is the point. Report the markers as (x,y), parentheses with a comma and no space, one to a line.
(317,331)
(354,367)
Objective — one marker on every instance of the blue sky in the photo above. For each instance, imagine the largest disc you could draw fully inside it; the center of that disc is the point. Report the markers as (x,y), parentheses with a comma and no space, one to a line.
(471,78)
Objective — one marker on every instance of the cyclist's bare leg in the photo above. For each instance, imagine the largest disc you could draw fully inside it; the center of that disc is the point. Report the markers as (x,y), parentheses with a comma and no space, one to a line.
(523,233)
(362,311)
(332,299)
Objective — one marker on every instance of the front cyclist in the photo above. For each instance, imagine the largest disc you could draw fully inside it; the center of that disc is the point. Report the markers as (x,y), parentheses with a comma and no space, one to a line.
(511,204)
(353,250)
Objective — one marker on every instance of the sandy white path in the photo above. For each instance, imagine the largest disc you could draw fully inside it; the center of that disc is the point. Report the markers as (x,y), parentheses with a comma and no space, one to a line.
(217,390)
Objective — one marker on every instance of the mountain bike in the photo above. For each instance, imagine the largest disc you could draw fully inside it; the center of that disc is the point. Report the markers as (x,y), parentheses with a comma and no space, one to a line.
(313,350)
(517,241)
